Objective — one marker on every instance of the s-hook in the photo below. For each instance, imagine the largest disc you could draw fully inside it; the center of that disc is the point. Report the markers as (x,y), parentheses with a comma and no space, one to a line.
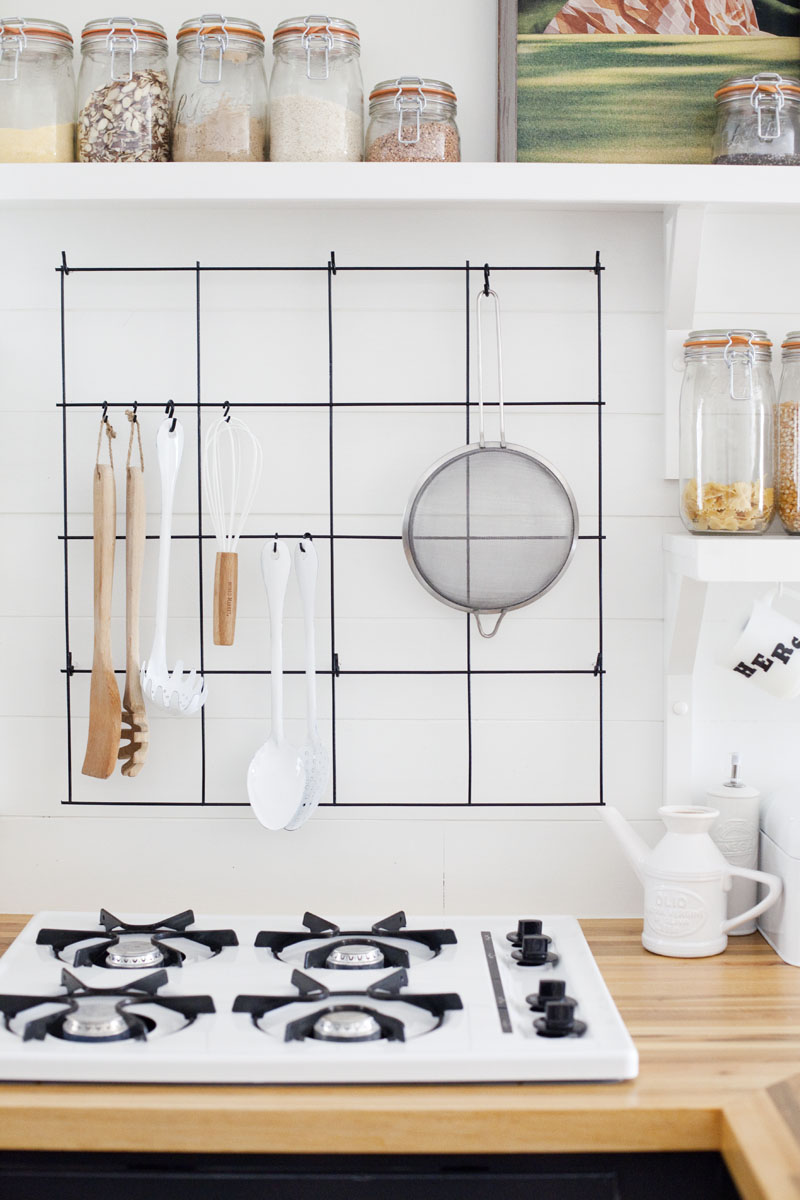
(170,412)
(226,411)
(486,274)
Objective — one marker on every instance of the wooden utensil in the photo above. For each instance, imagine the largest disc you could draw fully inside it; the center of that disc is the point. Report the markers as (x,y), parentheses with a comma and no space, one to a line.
(104,701)
(135,729)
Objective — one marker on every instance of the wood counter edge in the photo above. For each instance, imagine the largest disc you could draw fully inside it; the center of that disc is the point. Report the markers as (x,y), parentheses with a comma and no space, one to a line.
(756,1128)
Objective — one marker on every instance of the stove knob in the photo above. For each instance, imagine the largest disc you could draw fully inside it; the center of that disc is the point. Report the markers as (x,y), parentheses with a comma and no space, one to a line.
(534,950)
(559,1020)
(549,989)
(524,929)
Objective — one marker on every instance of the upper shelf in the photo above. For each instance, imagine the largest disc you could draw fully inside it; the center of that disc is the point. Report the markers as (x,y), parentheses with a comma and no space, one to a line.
(773,557)
(537,185)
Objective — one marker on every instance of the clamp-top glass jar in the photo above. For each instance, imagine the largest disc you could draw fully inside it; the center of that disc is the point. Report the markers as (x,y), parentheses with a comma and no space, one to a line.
(758,121)
(316,95)
(220,91)
(37,91)
(412,120)
(787,424)
(726,454)
(123,92)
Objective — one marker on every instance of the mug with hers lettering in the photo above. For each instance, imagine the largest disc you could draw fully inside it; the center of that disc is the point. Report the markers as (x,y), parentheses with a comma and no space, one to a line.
(767,651)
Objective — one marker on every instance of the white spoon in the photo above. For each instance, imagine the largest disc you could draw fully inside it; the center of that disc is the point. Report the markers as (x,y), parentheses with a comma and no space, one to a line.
(276,776)
(316,760)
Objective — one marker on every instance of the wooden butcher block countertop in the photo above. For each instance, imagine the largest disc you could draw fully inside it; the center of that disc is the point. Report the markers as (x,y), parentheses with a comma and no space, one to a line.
(719,1044)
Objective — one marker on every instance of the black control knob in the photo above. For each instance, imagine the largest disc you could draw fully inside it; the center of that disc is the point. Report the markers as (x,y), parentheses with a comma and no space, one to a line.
(559,1020)
(549,989)
(524,928)
(534,951)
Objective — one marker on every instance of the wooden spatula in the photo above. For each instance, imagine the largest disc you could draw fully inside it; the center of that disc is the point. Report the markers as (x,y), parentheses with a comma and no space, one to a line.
(104,702)
(135,730)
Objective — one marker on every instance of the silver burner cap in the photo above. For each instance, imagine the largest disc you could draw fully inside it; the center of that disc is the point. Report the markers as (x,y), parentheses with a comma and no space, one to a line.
(354,957)
(347,1025)
(95,1019)
(132,953)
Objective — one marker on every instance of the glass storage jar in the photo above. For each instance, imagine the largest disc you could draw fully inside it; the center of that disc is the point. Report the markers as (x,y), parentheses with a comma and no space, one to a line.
(758,121)
(788,434)
(316,96)
(219,95)
(123,92)
(37,91)
(412,120)
(726,442)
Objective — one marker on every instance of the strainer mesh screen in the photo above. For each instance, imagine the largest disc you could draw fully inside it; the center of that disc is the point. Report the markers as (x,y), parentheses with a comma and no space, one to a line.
(491,529)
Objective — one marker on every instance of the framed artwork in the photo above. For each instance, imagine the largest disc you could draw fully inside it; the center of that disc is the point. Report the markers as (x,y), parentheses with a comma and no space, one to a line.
(629,80)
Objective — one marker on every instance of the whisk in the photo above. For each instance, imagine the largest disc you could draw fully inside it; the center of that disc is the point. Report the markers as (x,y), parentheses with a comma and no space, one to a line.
(232,467)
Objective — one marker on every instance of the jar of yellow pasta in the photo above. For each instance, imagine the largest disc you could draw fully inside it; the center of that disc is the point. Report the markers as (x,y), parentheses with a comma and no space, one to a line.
(726,432)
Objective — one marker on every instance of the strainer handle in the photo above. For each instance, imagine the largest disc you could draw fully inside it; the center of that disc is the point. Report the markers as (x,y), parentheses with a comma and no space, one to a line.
(482,631)
(479,351)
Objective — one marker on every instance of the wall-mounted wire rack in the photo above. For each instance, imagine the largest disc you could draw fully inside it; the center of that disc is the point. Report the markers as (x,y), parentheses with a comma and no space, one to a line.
(594,673)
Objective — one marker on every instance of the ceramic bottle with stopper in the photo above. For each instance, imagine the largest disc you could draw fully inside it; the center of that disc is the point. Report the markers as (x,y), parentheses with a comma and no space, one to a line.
(736,834)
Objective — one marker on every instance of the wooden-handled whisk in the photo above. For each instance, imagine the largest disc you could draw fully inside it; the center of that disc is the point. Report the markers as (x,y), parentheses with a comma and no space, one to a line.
(135,730)
(232,468)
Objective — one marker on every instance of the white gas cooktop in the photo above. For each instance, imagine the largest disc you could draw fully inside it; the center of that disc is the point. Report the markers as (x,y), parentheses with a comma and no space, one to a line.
(278,999)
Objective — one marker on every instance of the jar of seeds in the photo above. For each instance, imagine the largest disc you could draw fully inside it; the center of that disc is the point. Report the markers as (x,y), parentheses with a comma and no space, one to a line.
(758,121)
(37,91)
(123,92)
(412,120)
(788,434)
(726,435)
(220,91)
(316,96)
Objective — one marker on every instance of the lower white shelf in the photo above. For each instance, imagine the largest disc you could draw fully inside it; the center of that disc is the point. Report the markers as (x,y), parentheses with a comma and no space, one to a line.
(722,558)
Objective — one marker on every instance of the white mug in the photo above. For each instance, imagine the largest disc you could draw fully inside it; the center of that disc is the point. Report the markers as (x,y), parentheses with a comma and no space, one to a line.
(767,652)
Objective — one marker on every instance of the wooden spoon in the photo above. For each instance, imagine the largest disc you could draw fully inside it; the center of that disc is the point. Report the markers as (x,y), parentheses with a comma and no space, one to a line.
(104,701)
(135,730)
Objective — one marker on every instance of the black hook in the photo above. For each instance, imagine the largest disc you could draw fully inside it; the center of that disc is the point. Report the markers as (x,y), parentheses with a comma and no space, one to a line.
(332,263)
(226,410)
(275,545)
(300,544)
(170,412)
(486,274)
(105,411)
(135,409)
(64,266)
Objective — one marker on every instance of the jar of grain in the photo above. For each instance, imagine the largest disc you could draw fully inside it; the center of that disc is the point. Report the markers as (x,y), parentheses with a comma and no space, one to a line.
(219,95)
(726,438)
(758,121)
(37,91)
(123,92)
(788,434)
(412,120)
(316,96)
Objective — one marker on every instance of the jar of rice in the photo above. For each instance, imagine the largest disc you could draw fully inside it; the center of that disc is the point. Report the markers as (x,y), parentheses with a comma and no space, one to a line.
(412,119)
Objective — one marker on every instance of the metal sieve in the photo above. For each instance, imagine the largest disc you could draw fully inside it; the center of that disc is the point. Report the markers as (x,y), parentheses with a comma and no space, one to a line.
(491,526)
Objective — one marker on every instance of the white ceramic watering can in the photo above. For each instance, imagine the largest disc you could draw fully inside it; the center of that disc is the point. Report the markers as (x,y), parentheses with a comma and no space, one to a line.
(686,883)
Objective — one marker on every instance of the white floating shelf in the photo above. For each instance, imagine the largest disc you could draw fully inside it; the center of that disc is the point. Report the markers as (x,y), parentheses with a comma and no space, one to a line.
(537,185)
(734,559)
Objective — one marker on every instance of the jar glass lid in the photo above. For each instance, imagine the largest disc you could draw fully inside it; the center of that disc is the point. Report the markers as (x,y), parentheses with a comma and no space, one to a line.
(317,27)
(33,27)
(215,25)
(724,342)
(123,27)
(413,85)
(792,341)
(765,84)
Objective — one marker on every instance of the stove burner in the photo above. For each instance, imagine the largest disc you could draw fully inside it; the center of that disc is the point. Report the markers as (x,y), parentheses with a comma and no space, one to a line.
(87,1014)
(327,955)
(120,946)
(95,1019)
(347,1025)
(348,1022)
(355,956)
(134,953)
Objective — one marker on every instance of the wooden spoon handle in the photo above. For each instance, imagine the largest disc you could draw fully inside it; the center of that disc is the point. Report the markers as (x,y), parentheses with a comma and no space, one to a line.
(105,530)
(135,517)
(226,575)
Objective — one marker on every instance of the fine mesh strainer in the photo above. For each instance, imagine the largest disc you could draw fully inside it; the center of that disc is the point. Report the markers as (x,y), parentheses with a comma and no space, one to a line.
(491,526)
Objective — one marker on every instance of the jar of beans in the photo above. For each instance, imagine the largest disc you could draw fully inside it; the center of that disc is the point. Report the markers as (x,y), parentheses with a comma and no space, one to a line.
(123,92)
(726,432)
(788,434)
(758,121)
(412,119)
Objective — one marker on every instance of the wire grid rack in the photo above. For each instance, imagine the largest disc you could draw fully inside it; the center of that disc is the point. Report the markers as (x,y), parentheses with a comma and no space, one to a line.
(329,271)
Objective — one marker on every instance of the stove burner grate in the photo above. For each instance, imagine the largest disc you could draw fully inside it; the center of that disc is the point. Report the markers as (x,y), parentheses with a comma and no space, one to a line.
(130,947)
(335,938)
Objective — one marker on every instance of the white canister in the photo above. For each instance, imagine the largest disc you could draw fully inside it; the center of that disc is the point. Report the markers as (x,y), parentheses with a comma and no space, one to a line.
(735,832)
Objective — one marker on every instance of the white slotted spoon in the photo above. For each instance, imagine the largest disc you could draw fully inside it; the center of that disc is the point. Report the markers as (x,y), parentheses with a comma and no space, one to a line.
(177,693)
(276,777)
(316,760)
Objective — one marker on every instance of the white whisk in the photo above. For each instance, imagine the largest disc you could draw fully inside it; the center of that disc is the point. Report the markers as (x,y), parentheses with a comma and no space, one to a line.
(232,466)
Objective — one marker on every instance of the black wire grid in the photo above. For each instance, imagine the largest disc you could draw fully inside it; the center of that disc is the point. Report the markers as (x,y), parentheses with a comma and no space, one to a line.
(330,270)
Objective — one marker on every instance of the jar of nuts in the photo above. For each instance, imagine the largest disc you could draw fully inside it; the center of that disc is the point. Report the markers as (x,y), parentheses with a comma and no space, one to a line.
(787,424)
(412,120)
(726,432)
(123,92)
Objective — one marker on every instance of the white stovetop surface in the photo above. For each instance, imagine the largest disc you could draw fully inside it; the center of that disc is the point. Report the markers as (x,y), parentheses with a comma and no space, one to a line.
(226,1047)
